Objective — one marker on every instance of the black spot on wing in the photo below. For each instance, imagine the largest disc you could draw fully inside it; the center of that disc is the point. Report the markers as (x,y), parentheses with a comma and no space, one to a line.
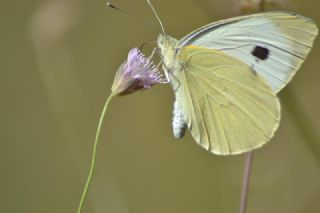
(260,52)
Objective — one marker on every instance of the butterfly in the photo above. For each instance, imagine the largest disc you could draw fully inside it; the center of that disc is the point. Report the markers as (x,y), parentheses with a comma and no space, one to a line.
(226,76)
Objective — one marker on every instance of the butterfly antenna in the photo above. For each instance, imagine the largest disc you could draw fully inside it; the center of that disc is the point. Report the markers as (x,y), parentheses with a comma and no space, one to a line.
(147,43)
(156,15)
(111,5)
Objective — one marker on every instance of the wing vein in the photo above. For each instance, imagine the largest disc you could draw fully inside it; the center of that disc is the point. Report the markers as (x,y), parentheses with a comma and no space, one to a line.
(239,107)
(250,92)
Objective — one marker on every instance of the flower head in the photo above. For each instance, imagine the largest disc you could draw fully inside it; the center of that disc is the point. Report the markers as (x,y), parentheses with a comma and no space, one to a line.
(136,73)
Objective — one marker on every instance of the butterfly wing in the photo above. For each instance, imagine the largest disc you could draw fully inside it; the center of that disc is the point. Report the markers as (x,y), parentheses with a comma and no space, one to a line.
(274,43)
(228,108)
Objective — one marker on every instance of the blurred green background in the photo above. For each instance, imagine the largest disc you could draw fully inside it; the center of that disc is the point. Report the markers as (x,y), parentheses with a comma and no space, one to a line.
(58,60)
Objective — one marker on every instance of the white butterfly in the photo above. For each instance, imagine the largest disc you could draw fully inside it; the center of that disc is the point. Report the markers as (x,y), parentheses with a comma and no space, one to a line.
(226,75)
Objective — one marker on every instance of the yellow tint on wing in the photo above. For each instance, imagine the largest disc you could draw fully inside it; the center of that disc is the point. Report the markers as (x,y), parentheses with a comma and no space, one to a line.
(228,107)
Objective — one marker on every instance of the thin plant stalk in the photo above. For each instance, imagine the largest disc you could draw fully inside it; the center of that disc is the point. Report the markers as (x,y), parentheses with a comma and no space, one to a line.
(94,153)
(262,6)
(246,181)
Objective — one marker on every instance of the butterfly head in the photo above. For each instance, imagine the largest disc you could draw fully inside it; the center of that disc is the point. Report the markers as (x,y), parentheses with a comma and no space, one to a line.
(167,44)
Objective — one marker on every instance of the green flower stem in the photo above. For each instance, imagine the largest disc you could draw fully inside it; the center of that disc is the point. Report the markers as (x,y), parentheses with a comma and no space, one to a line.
(94,152)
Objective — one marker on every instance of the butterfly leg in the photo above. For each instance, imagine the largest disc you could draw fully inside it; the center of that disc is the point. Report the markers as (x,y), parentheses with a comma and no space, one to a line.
(146,43)
(176,79)
(152,53)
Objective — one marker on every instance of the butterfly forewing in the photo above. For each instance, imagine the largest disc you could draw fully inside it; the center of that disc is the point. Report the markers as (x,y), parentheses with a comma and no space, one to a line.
(274,44)
(228,108)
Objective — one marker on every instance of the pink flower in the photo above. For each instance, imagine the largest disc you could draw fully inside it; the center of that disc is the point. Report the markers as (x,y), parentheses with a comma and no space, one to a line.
(138,72)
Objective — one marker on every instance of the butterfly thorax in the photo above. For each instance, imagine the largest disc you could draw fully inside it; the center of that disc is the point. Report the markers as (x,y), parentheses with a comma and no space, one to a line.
(168,53)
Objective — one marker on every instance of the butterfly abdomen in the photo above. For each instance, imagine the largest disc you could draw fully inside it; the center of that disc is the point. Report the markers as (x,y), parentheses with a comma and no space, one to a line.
(178,123)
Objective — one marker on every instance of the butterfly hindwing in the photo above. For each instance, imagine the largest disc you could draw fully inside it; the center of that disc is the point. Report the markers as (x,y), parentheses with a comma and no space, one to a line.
(228,108)
(274,43)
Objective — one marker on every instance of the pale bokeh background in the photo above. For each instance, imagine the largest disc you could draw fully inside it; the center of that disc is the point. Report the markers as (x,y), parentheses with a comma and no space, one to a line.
(58,59)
